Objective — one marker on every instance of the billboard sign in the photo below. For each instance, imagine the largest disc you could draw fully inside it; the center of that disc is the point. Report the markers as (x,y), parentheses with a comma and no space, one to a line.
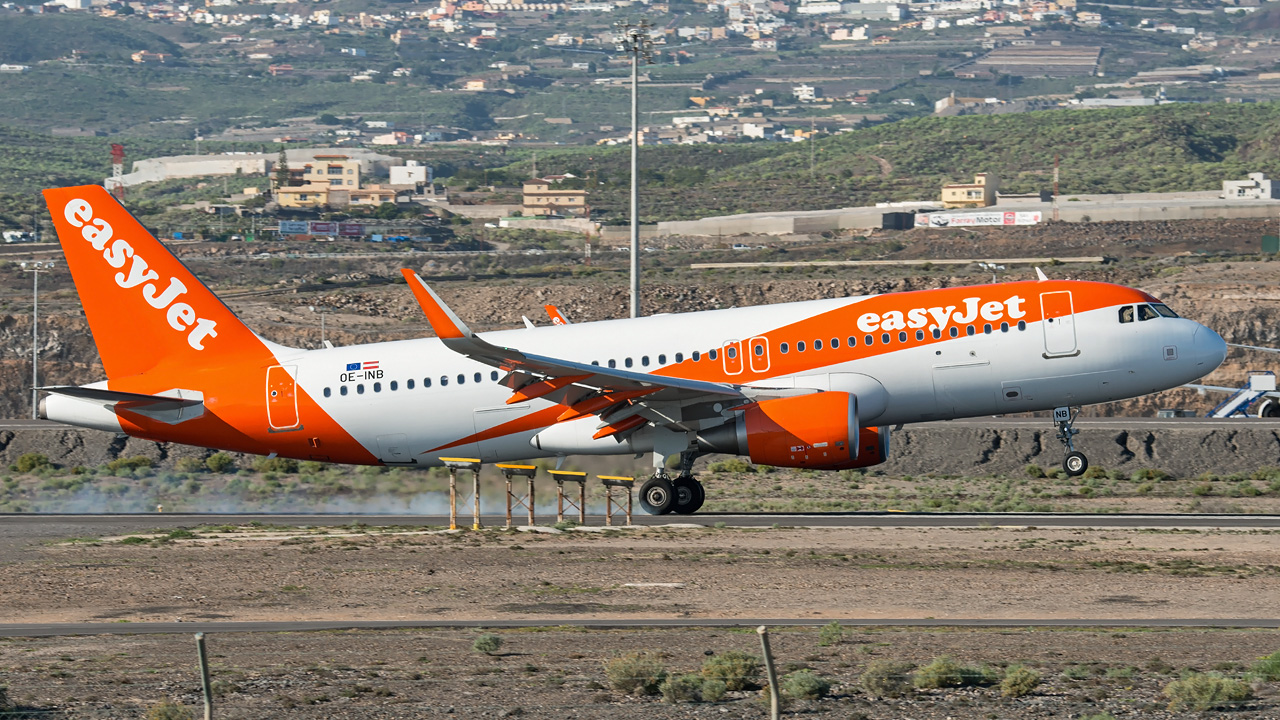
(293,227)
(324,228)
(351,229)
(973,219)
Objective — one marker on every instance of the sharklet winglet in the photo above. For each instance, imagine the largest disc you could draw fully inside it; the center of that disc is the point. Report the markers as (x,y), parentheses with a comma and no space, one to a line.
(443,320)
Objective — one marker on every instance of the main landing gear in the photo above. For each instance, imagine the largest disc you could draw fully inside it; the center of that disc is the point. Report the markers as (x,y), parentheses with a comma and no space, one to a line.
(662,494)
(1075,463)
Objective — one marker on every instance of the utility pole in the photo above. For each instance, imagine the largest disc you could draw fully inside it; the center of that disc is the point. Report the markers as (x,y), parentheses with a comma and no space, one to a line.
(635,39)
(35,268)
(1055,188)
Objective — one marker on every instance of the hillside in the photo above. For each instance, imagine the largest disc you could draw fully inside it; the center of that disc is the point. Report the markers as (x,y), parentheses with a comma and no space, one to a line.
(32,38)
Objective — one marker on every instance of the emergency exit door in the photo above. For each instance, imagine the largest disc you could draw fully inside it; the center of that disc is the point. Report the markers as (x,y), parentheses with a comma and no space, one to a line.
(282,398)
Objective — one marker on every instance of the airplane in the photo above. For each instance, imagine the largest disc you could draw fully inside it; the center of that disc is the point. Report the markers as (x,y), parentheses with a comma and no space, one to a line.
(817,384)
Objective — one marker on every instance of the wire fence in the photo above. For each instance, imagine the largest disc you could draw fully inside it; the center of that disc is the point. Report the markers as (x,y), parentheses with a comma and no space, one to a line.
(569,672)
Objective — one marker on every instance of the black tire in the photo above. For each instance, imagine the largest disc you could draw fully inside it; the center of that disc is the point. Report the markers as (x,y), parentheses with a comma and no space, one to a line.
(689,495)
(658,496)
(1075,464)
(1269,409)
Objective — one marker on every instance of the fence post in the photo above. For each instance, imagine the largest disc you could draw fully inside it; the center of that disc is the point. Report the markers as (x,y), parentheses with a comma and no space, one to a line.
(204,676)
(454,465)
(775,700)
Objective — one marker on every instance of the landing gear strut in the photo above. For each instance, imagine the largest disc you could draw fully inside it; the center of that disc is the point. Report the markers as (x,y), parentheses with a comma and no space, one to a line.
(1075,463)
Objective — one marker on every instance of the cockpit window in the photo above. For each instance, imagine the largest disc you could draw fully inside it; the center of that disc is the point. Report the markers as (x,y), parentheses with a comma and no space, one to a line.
(1165,311)
(1126,314)
(1146,312)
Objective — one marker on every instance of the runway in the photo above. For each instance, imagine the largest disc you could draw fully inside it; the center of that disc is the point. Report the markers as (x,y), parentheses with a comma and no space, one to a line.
(169,628)
(31,525)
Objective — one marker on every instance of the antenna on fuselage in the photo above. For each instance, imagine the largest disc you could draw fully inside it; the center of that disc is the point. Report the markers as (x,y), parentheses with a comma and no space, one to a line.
(1040,275)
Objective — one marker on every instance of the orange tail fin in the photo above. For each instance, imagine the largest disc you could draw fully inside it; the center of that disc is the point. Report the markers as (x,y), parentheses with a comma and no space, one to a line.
(145,308)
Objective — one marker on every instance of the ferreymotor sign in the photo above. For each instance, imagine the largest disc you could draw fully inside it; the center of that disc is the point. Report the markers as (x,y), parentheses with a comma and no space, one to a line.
(293,227)
(971,219)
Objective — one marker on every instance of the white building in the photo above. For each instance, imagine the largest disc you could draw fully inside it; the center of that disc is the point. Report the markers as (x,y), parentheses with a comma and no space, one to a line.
(1257,187)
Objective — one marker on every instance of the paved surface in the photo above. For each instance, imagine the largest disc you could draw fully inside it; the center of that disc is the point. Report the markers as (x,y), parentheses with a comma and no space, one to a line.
(57,629)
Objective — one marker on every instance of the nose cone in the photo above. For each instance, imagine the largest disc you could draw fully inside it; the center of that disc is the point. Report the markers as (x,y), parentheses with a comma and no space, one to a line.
(1208,349)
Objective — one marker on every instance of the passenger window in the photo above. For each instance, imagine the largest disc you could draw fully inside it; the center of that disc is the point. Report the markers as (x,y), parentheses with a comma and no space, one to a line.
(1022,324)
(712,354)
(628,362)
(759,349)
(360,389)
(327,392)
(478,377)
(444,380)
(835,343)
(884,338)
(919,334)
(969,331)
(937,333)
(462,379)
(426,382)
(784,348)
(394,385)
(800,346)
(1145,312)
(342,390)
(817,344)
(697,356)
(902,336)
(869,340)
(679,357)
(493,376)
(613,363)
(662,359)
(954,331)
(1126,314)
(595,362)
(853,341)
(408,384)
(986,329)
(377,387)
(1004,327)
(1165,311)
(644,360)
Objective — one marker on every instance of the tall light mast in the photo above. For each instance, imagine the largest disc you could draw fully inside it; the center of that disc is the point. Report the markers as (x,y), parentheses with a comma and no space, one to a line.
(634,38)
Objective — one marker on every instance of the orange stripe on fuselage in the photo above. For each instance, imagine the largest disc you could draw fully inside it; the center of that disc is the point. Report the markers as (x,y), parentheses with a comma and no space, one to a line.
(533,421)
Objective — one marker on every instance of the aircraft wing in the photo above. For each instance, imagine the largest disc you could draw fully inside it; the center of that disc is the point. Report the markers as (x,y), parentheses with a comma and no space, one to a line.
(616,395)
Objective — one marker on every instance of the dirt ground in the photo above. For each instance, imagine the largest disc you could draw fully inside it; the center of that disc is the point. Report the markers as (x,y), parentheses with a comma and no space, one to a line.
(374,573)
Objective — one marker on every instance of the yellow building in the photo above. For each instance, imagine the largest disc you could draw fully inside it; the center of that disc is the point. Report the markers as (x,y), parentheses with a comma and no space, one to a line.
(980,193)
(326,180)
(541,199)
(334,171)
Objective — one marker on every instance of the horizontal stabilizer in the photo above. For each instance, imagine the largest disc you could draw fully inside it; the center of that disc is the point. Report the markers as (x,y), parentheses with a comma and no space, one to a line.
(173,407)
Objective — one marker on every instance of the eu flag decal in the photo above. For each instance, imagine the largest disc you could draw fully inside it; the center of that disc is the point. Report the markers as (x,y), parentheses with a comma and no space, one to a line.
(353,366)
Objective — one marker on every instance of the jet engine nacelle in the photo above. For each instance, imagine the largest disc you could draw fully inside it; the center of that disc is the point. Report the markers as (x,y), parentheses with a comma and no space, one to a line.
(816,431)
(873,449)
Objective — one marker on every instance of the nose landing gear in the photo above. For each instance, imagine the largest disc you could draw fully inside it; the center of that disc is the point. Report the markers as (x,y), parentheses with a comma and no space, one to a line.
(1075,463)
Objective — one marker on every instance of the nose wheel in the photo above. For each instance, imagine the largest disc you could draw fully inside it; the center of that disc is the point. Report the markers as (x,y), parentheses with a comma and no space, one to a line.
(1075,463)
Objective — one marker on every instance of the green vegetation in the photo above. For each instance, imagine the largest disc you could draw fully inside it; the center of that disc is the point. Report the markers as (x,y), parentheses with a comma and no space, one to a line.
(736,669)
(887,678)
(1206,691)
(1018,681)
(488,643)
(946,671)
(831,634)
(682,688)
(169,711)
(635,673)
(805,685)
(1268,668)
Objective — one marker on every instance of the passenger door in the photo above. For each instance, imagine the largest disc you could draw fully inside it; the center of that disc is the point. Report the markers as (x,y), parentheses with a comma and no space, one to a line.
(282,398)
(1059,324)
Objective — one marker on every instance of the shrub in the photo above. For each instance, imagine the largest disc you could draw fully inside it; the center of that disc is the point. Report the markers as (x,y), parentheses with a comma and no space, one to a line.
(1205,691)
(712,690)
(639,673)
(134,463)
(887,679)
(169,711)
(219,462)
(1034,471)
(946,672)
(487,643)
(1019,680)
(1268,668)
(737,670)
(731,465)
(30,462)
(681,688)
(831,634)
(275,465)
(805,685)
(4,698)
(190,465)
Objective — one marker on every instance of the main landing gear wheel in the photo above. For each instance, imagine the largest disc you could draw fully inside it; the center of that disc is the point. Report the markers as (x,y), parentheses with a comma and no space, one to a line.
(689,495)
(1075,463)
(658,495)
